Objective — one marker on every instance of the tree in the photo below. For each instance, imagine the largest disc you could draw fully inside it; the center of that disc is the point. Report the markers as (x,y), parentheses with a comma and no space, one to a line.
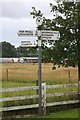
(46,54)
(8,50)
(26,51)
(66,21)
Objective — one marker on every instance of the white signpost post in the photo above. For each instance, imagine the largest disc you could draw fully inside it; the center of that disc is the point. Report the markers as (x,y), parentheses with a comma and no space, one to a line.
(42,35)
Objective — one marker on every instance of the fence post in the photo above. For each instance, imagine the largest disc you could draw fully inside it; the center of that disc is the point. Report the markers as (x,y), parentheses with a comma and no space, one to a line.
(7,73)
(44,98)
(37,91)
(69,76)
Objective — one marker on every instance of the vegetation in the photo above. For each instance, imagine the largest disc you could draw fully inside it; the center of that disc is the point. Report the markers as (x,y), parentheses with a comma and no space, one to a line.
(8,50)
(66,19)
(62,114)
(29,72)
(21,75)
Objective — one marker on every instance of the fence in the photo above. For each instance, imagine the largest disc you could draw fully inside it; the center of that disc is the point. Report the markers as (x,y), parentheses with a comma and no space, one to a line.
(44,96)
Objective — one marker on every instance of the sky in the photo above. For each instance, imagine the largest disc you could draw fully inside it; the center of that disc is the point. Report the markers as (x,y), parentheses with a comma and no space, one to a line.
(15,16)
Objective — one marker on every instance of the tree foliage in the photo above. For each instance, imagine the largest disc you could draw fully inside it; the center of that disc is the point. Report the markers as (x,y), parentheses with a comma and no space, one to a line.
(66,17)
(8,50)
(26,51)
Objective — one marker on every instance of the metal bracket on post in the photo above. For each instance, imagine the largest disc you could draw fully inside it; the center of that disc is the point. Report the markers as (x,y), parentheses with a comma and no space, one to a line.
(39,42)
(44,98)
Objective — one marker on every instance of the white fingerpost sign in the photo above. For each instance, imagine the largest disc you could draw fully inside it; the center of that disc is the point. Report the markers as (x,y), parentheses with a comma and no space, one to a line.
(28,43)
(28,33)
(50,35)
(45,34)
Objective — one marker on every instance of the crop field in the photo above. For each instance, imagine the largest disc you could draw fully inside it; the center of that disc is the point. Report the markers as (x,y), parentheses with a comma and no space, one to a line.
(29,72)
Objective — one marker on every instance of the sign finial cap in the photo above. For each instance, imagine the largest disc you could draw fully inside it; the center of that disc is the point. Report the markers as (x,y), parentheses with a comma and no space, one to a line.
(39,20)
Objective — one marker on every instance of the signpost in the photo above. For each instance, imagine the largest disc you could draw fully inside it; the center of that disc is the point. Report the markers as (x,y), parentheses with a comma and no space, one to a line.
(39,23)
(50,35)
(45,34)
(27,33)
(28,43)
(42,35)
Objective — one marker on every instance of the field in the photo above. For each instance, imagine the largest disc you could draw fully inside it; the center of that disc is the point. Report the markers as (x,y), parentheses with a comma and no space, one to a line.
(29,72)
(20,75)
(74,113)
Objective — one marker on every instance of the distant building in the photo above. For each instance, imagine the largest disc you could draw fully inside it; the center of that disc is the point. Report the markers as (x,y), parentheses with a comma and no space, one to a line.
(29,59)
(19,60)
(9,60)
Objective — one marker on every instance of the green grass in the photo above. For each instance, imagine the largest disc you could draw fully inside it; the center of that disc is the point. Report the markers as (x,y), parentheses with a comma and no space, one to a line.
(74,113)
(9,84)
(22,75)
(13,84)
(64,114)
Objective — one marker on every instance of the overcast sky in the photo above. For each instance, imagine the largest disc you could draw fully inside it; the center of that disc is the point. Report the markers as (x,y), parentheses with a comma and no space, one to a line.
(15,15)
